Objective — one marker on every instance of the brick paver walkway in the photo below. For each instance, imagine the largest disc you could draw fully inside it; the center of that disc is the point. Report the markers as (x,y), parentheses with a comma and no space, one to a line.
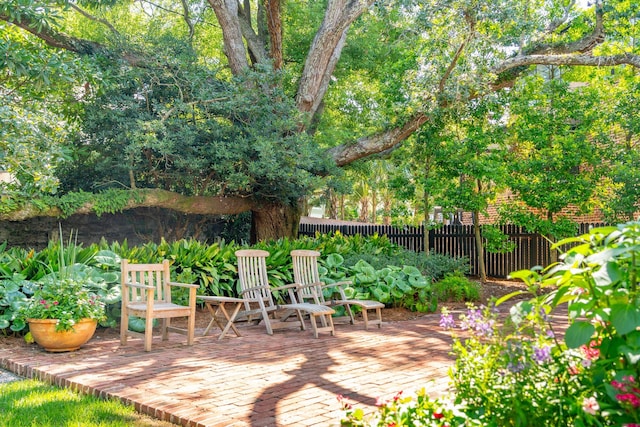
(257,380)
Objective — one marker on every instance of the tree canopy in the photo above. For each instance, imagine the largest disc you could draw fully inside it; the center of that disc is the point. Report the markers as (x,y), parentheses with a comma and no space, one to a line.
(260,101)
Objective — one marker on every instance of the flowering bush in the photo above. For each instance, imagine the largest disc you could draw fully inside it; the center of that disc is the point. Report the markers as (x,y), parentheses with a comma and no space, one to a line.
(519,373)
(523,372)
(65,300)
(418,410)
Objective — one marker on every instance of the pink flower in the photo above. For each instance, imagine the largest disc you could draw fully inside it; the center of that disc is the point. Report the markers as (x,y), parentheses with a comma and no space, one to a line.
(629,398)
(343,401)
(591,352)
(617,385)
(590,405)
(380,402)
(56,303)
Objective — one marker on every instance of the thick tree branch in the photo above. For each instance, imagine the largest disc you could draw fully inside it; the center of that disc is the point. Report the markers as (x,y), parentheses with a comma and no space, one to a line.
(584,45)
(274,27)
(255,45)
(585,60)
(187,19)
(154,198)
(367,146)
(227,13)
(55,39)
(508,70)
(325,50)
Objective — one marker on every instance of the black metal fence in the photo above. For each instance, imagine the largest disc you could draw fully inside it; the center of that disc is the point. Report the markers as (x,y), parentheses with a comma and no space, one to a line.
(458,241)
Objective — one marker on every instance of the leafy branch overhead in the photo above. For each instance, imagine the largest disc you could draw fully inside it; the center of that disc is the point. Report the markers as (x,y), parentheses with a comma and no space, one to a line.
(260,101)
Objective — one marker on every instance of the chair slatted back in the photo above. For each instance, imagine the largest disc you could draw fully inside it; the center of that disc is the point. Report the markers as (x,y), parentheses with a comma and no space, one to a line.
(156,275)
(252,275)
(305,272)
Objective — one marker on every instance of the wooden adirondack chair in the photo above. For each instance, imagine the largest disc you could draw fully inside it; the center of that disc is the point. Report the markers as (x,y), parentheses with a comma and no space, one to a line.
(146,293)
(306,275)
(259,301)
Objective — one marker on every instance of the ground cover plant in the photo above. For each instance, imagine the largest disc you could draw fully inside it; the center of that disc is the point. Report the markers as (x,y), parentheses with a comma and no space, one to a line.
(378,269)
(520,371)
(29,403)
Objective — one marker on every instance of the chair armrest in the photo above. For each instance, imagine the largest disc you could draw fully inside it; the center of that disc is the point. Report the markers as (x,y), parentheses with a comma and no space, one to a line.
(139,286)
(338,286)
(253,288)
(289,286)
(310,285)
(291,291)
(184,285)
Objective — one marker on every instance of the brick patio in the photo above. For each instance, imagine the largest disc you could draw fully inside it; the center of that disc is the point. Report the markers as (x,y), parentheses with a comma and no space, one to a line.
(288,379)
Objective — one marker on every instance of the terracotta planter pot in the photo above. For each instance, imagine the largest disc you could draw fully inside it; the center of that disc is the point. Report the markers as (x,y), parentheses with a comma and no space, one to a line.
(44,333)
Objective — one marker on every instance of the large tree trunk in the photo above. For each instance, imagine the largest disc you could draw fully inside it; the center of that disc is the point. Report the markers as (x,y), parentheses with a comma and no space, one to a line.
(275,220)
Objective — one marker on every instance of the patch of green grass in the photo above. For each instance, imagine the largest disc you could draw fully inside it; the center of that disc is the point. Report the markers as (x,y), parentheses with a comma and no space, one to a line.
(34,403)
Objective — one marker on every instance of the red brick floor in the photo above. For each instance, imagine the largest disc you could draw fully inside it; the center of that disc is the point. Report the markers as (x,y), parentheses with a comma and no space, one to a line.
(288,379)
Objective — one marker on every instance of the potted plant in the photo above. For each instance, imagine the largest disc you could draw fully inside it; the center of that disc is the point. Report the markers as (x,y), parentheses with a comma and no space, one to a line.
(63,313)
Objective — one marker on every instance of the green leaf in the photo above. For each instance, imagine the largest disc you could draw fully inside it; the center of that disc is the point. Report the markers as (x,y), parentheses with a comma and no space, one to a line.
(579,333)
(625,318)
(418,281)
(410,270)
(509,296)
(608,274)
(334,260)
(137,324)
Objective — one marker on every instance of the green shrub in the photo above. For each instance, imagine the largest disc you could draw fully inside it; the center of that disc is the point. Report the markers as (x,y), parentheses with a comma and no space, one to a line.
(456,287)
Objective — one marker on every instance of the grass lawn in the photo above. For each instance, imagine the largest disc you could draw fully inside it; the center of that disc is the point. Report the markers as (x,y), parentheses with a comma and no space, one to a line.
(34,403)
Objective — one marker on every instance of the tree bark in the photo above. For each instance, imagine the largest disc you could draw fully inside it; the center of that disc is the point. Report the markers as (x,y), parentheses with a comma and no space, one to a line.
(325,51)
(227,13)
(272,221)
(274,27)
(255,44)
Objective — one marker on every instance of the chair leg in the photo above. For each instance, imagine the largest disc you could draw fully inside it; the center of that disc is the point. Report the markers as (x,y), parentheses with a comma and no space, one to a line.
(333,330)
(165,328)
(124,328)
(376,321)
(314,326)
(191,328)
(351,318)
(301,320)
(365,317)
(148,333)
